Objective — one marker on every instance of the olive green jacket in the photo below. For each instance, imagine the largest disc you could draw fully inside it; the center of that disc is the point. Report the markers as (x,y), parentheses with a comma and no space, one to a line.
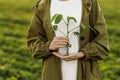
(94,43)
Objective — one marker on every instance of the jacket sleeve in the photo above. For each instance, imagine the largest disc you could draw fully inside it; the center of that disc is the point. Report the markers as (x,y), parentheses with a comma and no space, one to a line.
(98,48)
(36,39)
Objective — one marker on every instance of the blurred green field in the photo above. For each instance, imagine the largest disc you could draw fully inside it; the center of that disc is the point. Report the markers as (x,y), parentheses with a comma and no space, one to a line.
(15,60)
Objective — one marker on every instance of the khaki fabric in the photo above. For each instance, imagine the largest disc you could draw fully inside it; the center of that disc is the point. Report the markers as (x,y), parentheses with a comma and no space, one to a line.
(95,44)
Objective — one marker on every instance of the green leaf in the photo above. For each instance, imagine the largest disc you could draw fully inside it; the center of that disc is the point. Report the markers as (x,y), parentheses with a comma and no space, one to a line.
(82,26)
(58,18)
(68,18)
(55,27)
(68,45)
(53,17)
(71,18)
(76,33)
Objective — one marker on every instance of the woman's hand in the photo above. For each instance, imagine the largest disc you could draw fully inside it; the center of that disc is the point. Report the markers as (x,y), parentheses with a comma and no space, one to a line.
(80,55)
(58,42)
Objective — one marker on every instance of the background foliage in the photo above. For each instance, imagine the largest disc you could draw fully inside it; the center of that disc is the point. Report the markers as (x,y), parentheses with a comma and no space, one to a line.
(15,60)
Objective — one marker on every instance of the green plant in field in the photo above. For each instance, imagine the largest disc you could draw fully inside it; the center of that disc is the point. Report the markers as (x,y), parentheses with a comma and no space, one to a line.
(57,18)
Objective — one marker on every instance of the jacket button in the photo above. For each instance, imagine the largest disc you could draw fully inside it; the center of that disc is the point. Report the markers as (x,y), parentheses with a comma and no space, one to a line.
(82,38)
(88,4)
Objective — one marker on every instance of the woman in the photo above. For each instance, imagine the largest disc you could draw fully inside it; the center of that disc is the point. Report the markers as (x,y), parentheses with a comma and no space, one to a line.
(46,44)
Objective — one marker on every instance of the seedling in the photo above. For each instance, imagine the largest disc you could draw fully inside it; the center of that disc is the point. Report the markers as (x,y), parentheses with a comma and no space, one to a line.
(57,18)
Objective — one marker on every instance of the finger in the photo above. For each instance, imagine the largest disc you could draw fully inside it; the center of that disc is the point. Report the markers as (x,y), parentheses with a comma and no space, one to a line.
(66,58)
(60,43)
(59,46)
(56,41)
(54,46)
(70,57)
(61,38)
(57,54)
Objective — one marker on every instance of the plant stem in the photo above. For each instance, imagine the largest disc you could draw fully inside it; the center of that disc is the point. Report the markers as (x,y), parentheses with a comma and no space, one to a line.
(65,22)
(73,28)
(67,52)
